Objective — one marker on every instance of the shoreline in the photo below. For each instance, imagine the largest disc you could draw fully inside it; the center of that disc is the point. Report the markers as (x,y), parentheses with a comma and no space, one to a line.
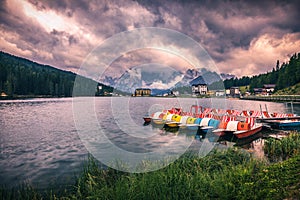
(280,99)
(274,98)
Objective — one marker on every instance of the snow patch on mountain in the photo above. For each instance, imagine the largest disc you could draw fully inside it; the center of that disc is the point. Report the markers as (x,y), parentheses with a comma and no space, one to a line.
(155,76)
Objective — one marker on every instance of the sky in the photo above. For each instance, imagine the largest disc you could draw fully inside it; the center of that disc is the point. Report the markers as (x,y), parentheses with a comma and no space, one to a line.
(243,38)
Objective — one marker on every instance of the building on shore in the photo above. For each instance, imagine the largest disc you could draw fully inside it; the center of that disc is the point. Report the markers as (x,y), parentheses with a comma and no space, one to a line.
(3,94)
(199,87)
(266,90)
(220,93)
(269,88)
(234,92)
(140,92)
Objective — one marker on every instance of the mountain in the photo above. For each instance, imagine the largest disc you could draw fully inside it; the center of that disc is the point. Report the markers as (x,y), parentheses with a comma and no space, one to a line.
(191,74)
(227,76)
(198,81)
(22,77)
(188,76)
(160,92)
(155,76)
(108,80)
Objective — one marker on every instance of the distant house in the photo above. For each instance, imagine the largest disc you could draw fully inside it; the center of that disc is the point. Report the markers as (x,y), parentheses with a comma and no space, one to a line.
(227,92)
(3,94)
(142,92)
(269,88)
(266,90)
(176,93)
(257,91)
(211,92)
(199,87)
(235,92)
(220,93)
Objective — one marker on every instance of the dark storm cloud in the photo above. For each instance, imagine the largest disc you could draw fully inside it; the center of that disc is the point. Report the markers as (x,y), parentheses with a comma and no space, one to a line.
(63,32)
(235,23)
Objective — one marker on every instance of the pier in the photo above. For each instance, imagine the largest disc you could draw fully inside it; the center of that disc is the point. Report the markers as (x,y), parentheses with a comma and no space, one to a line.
(276,98)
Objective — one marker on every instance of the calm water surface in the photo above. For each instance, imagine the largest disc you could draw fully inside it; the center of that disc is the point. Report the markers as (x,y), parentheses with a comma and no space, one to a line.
(40,144)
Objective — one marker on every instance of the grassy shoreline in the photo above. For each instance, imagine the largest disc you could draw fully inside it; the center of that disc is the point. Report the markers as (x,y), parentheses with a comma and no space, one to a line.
(223,174)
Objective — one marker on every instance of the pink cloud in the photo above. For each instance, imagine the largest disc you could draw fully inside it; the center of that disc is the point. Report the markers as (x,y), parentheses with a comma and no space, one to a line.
(262,54)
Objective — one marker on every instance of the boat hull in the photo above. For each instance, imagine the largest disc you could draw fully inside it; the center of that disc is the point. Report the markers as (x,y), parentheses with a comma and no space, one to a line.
(222,132)
(206,129)
(158,121)
(172,124)
(248,133)
(286,125)
(192,127)
(147,119)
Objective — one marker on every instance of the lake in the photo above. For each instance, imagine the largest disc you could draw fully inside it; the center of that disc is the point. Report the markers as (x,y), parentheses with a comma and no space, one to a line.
(47,141)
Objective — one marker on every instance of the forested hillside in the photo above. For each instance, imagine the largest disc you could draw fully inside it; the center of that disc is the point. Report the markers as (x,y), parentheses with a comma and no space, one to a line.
(284,75)
(22,77)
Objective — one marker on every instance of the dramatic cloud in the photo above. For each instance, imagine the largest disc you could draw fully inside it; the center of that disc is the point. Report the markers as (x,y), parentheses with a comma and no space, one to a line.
(261,55)
(243,38)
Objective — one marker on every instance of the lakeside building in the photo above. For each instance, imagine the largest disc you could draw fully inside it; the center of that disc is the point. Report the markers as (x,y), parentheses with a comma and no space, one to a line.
(3,94)
(139,92)
(199,87)
(211,93)
(269,88)
(220,93)
(258,91)
(266,90)
(233,92)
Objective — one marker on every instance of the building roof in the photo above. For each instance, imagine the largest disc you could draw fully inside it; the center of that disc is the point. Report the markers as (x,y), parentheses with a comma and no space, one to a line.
(269,85)
(198,81)
(257,89)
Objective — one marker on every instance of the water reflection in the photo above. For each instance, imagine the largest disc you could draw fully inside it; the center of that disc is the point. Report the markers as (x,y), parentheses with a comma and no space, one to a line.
(39,141)
(253,144)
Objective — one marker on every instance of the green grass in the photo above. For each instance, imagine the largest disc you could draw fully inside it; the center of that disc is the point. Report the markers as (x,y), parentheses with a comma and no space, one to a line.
(277,150)
(187,178)
(244,89)
(226,174)
(292,90)
(24,191)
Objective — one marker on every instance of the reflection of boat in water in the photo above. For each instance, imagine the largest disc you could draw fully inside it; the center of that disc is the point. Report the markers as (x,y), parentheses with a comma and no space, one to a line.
(171,129)
(147,123)
(248,140)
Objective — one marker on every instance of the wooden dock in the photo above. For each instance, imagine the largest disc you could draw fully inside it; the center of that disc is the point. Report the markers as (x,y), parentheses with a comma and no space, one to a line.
(276,98)
(277,118)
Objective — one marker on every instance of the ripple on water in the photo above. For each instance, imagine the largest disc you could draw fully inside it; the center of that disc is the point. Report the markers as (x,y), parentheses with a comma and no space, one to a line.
(39,141)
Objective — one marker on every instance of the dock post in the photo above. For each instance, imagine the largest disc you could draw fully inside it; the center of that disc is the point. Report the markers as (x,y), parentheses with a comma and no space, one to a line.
(261,111)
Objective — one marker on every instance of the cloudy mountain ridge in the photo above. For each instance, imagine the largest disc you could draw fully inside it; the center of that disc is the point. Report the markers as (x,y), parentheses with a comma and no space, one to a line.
(158,77)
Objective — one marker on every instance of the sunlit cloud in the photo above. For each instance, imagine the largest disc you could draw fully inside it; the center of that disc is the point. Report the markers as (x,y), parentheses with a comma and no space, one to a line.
(47,19)
(262,54)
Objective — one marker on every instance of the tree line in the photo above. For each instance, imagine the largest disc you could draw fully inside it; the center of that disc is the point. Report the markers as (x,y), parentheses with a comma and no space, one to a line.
(284,75)
(22,77)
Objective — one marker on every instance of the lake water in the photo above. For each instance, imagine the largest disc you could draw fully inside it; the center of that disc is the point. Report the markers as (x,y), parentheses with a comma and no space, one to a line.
(46,141)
